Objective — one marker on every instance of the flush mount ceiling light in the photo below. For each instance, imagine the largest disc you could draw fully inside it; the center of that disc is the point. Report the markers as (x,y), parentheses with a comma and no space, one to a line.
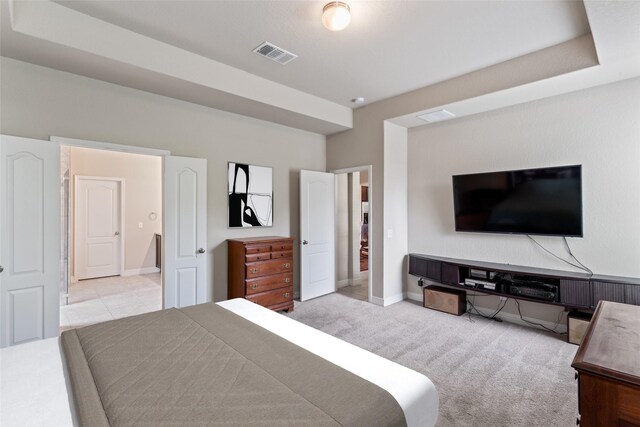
(336,15)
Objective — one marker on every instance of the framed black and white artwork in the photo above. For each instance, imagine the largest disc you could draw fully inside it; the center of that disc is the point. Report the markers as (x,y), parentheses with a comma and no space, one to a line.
(250,195)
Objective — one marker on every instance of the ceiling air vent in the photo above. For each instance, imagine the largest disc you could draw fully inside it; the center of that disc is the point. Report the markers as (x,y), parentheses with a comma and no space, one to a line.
(436,116)
(275,53)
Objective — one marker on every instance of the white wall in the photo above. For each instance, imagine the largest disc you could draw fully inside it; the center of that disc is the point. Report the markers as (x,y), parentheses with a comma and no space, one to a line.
(354,229)
(143,194)
(38,102)
(598,128)
(342,229)
(395,211)
(347,228)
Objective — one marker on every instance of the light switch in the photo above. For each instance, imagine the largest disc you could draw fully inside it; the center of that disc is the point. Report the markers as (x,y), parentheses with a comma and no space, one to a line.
(390,234)
(140,225)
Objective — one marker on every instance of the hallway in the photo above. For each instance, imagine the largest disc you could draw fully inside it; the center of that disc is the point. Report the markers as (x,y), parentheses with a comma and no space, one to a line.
(358,290)
(98,300)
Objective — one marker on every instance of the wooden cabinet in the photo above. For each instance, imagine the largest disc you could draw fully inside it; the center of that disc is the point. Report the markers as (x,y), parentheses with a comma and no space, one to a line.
(608,366)
(261,270)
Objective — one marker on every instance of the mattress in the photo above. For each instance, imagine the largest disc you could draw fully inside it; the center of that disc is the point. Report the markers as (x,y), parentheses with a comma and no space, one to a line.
(413,393)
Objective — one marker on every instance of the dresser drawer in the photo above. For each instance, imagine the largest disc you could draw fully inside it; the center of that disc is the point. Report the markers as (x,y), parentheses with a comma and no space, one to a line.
(285,245)
(283,254)
(258,249)
(261,269)
(255,286)
(265,268)
(263,256)
(277,296)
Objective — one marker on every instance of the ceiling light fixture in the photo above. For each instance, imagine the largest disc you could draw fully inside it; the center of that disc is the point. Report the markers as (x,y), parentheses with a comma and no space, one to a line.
(336,15)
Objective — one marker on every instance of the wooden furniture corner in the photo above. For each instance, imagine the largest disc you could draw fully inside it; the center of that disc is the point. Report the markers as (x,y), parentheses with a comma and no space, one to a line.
(608,368)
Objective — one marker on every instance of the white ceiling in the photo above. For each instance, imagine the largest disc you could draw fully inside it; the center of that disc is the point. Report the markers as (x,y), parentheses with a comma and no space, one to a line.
(391,47)
(201,51)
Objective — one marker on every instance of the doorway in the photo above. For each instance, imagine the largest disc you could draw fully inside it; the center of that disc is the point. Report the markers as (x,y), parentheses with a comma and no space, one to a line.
(112,210)
(352,233)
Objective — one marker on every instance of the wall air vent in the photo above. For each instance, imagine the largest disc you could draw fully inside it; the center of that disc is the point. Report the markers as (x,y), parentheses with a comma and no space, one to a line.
(436,116)
(275,53)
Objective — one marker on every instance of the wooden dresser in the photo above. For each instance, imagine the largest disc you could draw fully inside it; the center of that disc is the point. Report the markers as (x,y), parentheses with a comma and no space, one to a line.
(608,365)
(261,270)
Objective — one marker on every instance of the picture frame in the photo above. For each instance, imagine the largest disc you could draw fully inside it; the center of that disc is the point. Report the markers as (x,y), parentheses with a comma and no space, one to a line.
(250,195)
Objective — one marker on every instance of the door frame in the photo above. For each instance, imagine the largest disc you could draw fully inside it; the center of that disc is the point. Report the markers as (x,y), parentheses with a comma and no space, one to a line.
(120,181)
(372,219)
(108,146)
(98,145)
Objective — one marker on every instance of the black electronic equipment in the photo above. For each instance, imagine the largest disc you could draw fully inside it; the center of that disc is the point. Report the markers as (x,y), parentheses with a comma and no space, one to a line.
(534,289)
(545,201)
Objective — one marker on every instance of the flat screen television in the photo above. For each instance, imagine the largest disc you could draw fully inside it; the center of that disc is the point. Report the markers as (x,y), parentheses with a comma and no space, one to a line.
(545,201)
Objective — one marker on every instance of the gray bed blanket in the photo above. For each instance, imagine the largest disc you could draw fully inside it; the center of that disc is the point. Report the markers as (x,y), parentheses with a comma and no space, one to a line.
(204,365)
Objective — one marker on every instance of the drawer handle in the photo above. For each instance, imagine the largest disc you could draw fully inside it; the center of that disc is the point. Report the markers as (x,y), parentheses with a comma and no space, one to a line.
(287,280)
(258,250)
(287,265)
(254,270)
(286,294)
(254,286)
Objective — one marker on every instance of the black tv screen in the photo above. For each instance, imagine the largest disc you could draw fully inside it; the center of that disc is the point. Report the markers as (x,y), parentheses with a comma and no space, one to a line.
(545,201)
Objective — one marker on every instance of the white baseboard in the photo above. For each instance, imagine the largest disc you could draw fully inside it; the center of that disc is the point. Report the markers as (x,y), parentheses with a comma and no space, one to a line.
(138,271)
(343,283)
(394,299)
(507,317)
(377,301)
(414,296)
(514,318)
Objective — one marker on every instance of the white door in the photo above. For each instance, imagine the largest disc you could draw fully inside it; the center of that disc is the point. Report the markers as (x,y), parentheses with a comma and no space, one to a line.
(98,231)
(29,240)
(184,269)
(317,234)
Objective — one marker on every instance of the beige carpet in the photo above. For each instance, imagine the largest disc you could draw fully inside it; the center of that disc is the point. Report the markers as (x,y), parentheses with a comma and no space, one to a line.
(487,373)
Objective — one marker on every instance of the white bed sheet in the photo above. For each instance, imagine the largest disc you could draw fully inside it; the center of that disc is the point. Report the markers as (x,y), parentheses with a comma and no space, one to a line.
(414,392)
(33,388)
(33,391)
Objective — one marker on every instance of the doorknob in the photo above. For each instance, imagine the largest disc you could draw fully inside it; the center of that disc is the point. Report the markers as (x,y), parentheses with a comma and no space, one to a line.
(1,269)
(304,242)
(201,251)
(117,233)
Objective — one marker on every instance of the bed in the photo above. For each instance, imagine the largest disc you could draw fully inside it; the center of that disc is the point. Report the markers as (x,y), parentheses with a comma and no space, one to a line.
(232,363)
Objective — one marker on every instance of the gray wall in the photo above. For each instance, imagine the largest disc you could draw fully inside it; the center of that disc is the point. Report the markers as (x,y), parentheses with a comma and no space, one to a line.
(598,128)
(39,102)
(365,143)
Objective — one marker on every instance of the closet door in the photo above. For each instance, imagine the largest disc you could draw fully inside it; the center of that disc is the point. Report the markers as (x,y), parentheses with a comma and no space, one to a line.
(184,272)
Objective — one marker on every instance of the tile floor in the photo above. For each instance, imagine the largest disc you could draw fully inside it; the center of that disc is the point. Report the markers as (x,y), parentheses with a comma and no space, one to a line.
(97,300)
(359,291)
